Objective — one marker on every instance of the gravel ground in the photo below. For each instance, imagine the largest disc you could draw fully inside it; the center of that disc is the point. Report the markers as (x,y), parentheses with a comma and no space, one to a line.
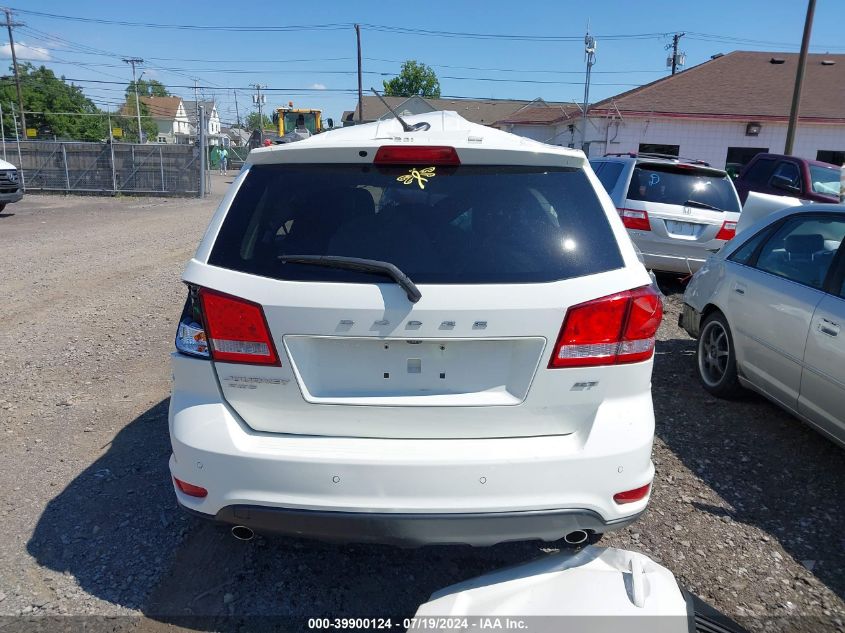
(746,509)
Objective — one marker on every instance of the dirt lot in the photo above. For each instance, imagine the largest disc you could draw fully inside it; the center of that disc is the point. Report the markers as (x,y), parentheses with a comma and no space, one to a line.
(747,508)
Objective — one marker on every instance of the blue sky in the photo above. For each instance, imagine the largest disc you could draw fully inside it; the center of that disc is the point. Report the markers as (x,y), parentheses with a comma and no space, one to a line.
(226,63)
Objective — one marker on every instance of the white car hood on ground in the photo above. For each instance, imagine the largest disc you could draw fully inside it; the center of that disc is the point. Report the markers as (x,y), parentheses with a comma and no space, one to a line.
(595,581)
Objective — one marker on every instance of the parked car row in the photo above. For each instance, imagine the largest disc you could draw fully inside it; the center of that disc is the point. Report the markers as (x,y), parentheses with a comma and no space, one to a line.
(436,332)
(767,307)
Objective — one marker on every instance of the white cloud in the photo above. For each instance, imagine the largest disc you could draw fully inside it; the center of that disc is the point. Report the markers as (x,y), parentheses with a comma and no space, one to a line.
(25,52)
(318,86)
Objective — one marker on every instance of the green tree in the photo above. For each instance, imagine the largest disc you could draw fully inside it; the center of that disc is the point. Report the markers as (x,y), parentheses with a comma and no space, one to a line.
(415,78)
(128,122)
(253,124)
(147,88)
(45,96)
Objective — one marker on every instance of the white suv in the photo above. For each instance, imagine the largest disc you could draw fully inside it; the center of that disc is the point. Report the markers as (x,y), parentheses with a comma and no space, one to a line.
(676,211)
(440,335)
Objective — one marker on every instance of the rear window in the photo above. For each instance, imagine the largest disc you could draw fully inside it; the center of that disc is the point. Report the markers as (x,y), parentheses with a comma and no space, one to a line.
(450,225)
(670,184)
(607,173)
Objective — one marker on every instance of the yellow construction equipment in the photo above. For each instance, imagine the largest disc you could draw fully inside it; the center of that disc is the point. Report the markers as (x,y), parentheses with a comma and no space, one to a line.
(294,124)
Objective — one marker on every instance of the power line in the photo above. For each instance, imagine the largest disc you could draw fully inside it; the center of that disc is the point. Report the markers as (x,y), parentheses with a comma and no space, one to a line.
(187,27)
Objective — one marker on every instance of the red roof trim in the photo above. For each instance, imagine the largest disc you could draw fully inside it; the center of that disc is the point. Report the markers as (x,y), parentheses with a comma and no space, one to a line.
(722,117)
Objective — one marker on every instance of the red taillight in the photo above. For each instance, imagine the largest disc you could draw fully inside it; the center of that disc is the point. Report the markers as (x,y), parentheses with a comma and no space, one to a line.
(190,489)
(727,231)
(635,219)
(612,330)
(630,496)
(420,155)
(236,329)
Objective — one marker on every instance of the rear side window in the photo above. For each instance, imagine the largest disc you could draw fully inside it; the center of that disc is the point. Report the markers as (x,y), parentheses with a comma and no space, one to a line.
(803,249)
(450,225)
(759,172)
(608,173)
(671,184)
(826,180)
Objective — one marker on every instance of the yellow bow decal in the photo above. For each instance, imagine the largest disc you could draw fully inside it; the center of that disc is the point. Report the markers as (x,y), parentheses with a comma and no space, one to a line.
(420,176)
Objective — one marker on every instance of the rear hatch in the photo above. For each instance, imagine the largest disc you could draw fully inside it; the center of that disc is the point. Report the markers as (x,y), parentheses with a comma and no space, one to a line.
(498,254)
(687,205)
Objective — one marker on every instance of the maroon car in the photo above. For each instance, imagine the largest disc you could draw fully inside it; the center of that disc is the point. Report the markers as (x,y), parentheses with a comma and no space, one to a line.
(790,176)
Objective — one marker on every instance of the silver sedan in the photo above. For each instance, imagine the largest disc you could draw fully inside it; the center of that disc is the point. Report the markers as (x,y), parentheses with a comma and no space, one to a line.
(768,311)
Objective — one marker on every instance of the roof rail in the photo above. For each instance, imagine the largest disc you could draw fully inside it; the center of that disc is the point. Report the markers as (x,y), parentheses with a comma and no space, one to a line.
(683,159)
(691,161)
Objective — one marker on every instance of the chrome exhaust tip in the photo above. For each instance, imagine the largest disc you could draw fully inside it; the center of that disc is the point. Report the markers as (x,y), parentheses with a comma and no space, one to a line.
(243,533)
(576,538)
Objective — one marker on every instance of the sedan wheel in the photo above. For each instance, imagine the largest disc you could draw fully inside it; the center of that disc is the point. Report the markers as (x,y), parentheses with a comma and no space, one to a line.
(716,357)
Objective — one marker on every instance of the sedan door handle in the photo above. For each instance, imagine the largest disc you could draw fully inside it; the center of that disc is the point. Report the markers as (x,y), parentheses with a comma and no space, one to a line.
(739,288)
(828,327)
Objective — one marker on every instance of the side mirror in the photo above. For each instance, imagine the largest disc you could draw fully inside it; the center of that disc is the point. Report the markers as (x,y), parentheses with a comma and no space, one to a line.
(784,183)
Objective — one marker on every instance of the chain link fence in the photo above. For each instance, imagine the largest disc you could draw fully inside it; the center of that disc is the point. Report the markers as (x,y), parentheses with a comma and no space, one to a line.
(107,168)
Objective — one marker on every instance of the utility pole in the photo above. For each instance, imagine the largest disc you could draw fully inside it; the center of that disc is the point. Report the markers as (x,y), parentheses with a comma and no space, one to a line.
(203,154)
(133,61)
(799,78)
(360,87)
(675,39)
(590,56)
(2,132)
(260,99)
(237,112)
(9,25)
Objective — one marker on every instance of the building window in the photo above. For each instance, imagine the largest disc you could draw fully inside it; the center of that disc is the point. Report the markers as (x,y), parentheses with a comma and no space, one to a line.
(657,148)
(162,139)
(742,155)
(830,156)
(739,157)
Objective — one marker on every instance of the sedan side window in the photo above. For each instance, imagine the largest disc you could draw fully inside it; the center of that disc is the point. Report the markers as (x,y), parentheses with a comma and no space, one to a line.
(803,249)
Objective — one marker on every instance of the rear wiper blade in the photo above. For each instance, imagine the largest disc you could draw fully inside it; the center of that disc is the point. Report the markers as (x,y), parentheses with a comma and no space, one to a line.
(703,205)
(364,265)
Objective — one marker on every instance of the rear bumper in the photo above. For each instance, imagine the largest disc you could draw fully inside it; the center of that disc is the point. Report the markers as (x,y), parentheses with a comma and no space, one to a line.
(416,529)
(673,263)
(476,491)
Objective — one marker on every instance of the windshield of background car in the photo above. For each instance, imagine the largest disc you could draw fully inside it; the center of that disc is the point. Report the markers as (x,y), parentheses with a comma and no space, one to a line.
(673,184)
(826,180)
(450,225)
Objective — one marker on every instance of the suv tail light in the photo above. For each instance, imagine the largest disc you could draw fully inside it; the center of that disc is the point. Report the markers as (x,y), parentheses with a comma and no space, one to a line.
(635,219)
(727,232)
(410,155)
(236,329)
(613,330)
